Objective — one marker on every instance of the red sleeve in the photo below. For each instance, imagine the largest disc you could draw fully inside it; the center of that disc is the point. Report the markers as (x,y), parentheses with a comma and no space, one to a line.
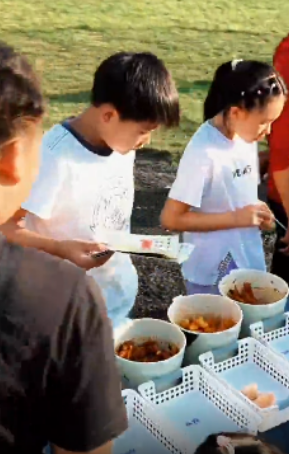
(279,142)
(279,137)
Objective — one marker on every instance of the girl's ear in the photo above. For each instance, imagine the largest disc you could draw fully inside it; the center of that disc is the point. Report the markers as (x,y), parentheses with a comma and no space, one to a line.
(237,113)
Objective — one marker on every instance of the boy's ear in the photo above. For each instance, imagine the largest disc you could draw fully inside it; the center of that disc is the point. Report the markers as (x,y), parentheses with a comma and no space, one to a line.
(109,113)
(10,163)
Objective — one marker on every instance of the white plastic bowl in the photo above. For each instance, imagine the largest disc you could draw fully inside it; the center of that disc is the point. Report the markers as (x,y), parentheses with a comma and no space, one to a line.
(255,313)
(194,305)
(134,373)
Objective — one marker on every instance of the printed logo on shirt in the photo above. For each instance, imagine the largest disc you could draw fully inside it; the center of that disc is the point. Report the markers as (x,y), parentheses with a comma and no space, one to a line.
(242,172)
(226,266)
(113,205)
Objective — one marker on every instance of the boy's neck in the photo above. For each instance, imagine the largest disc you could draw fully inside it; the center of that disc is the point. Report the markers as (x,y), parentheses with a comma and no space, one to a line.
(86,125)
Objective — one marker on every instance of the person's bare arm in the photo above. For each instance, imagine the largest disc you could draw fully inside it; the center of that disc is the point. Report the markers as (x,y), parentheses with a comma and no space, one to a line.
(176,216)
(15,232)
(78,252)
(281,179)
(279,156)
(279,163)
(105,449)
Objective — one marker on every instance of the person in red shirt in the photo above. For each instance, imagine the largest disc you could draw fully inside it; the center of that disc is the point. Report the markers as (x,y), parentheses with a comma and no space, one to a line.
(278,181)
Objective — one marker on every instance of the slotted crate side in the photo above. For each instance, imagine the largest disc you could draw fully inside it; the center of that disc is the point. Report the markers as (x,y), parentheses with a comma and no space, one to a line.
(245,351)
(196,378)
(190,382)
(248,349)
(257,331)
(155,424)
(227,402)
(268,361)
(252,349)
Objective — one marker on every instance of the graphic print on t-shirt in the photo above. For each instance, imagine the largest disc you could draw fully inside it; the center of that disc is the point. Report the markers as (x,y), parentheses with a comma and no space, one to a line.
(226,266)
(112,207)
(242,171)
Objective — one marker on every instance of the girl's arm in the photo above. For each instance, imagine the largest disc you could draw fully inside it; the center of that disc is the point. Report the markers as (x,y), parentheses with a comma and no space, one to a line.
(176,216)
(194,174)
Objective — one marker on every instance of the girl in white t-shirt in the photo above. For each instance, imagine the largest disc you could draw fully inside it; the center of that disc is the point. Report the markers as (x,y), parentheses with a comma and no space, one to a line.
(214,198)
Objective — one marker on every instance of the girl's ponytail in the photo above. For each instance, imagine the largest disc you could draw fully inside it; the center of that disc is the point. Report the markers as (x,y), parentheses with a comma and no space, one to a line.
(216,100)
(246,84)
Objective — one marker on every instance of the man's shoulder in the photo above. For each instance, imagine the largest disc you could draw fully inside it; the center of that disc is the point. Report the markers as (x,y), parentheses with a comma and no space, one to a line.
(36,282)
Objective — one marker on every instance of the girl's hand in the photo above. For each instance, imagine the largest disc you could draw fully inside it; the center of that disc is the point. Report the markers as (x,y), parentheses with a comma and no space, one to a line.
(254,216)
(268,226)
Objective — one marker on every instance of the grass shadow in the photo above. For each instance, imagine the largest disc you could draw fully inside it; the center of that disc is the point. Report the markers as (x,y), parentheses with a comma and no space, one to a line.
(148,205)
(185,86)
(153,154)
(79,97)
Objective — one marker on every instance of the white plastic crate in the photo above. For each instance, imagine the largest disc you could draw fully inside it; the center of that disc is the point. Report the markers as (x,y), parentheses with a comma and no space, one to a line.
(254,363)
(147,431)
(200,406)
(277,340)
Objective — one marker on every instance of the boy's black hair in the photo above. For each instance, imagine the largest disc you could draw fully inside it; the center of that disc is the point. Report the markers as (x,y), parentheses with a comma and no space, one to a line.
(247,83)
(242,443)
(20,94)
(140,88)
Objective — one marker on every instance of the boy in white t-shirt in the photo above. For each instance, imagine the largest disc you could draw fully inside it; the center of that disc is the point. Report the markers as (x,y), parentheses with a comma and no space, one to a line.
(86,183)
(214,198)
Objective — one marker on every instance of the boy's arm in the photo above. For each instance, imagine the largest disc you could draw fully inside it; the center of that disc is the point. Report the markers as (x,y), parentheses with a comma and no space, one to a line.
(77,252)
(41,202)
(16,233)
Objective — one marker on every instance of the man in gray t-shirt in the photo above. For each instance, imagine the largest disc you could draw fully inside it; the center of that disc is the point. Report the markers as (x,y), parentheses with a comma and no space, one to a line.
(59,383)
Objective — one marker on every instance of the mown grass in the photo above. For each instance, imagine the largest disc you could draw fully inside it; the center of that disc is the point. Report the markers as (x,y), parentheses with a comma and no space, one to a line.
(68,38)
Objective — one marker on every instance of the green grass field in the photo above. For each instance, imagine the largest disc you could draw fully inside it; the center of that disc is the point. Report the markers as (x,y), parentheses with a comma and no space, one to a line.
(66,39)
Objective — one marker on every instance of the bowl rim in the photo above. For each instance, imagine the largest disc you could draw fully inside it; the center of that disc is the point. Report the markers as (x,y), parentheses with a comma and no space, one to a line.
(198,333)
(239,322)
(181,350)
(234,274)
(141,320)
(256,305)
(222,283)
(284,299)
